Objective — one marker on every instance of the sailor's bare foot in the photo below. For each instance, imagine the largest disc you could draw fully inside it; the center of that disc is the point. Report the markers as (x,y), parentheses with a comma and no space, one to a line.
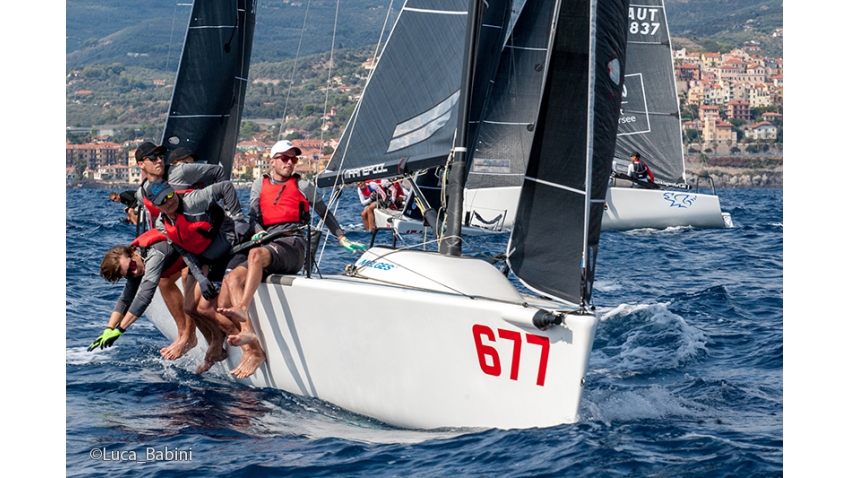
(252,358)
(234,313)
(215,353)
(243,338)
(179,347)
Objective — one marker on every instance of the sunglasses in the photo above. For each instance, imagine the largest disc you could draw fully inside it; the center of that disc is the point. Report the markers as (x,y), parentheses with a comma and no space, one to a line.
(291,159)
(152,157)
(131,269)
(166,198)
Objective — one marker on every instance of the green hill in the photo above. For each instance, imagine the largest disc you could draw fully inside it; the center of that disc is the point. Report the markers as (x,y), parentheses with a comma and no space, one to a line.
(116,49)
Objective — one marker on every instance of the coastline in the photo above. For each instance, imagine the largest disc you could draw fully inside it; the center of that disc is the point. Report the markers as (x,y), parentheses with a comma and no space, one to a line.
(736,171)
(742,171)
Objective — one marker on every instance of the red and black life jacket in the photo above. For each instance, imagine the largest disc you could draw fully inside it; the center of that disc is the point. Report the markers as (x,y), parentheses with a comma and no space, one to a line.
(282,203)
(193,236)
(150,238)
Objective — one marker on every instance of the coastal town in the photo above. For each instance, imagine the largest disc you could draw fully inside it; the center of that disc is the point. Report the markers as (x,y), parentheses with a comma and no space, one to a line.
(731,107)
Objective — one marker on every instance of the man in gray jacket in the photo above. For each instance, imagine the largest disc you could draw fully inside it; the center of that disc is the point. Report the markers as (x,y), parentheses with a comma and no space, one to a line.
(203,234)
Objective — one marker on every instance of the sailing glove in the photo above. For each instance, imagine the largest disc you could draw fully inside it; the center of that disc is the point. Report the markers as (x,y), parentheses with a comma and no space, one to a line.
(242,228)
(351,246)
(256,237)
(107,338)
(208,289)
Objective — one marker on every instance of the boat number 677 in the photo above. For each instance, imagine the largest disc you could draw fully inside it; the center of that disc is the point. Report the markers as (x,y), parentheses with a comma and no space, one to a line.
(493,366)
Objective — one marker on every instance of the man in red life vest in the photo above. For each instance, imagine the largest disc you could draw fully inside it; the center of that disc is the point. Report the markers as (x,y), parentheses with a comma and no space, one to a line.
(148,258)
(150,159)
(198,229)
(184,176)
(278,200)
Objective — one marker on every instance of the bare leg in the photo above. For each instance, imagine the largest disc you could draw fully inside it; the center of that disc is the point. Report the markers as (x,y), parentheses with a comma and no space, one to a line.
(252,354)
(186,338)
(213,335)
(258,259)
(368,216)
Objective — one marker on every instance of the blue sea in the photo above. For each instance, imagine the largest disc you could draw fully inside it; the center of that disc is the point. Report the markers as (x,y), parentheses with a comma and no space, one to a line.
(685,377)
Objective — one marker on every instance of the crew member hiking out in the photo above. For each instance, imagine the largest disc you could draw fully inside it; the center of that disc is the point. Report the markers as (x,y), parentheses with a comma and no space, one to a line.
(280,205)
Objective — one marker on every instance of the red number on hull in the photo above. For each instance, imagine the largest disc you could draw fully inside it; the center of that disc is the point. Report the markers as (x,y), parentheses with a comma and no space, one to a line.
(494,368)
(485,351)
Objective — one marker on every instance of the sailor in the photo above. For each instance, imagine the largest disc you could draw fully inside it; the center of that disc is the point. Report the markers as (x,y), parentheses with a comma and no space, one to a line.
(369,193)
(128,199)
(148,258)
(183,173)
(639,170)
(280,205)
(197,227)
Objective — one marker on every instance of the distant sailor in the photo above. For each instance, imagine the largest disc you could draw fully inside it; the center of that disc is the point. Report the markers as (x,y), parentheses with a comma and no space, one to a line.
(280,205)
(639,170)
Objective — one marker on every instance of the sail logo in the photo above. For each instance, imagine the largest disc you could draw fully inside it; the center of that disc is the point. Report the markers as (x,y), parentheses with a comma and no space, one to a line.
(364,171)
(424,125)
(680,200)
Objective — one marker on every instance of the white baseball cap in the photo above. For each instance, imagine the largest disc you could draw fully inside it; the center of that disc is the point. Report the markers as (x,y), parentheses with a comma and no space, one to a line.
(284,146)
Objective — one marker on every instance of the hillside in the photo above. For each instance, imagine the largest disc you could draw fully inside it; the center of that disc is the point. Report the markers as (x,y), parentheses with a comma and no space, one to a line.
(116,50)
(155,29)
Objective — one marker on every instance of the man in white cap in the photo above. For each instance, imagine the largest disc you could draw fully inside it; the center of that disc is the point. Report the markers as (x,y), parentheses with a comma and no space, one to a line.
(280,205)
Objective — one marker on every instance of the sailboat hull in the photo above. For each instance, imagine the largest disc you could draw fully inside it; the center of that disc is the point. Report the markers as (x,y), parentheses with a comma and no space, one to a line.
(418,358)
(636,208)
(385,218)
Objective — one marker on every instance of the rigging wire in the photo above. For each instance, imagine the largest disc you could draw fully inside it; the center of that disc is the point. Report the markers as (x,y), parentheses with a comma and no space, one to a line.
(292,75)
(352,122)
(165,108)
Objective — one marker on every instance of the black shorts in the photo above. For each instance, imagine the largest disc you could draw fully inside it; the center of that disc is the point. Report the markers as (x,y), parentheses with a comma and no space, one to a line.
(287,252)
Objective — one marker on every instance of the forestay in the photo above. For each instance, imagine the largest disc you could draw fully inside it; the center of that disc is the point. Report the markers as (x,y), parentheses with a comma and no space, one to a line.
(206,106)
(553,244)
(649,118)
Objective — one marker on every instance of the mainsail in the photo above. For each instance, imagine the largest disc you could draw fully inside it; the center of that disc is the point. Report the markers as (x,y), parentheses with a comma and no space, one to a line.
(206,106)
(554,241)
(649,117)
(389,137)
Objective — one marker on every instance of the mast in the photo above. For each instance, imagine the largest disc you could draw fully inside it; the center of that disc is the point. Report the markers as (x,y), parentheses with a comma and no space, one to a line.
(451,245)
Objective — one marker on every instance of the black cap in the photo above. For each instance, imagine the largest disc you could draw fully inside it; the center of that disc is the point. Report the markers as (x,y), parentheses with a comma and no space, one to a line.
(180,154)
(635,155)
(146,149)
(156,191)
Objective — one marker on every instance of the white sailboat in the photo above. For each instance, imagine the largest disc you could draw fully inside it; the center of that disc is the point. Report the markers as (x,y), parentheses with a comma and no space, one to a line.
(469,350)
(650,125)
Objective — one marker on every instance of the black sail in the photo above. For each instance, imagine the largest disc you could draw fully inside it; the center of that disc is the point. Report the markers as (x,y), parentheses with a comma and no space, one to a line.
(649,120)
(407,114)
(206,106)
(406,118)
(507,127)
(555,238)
